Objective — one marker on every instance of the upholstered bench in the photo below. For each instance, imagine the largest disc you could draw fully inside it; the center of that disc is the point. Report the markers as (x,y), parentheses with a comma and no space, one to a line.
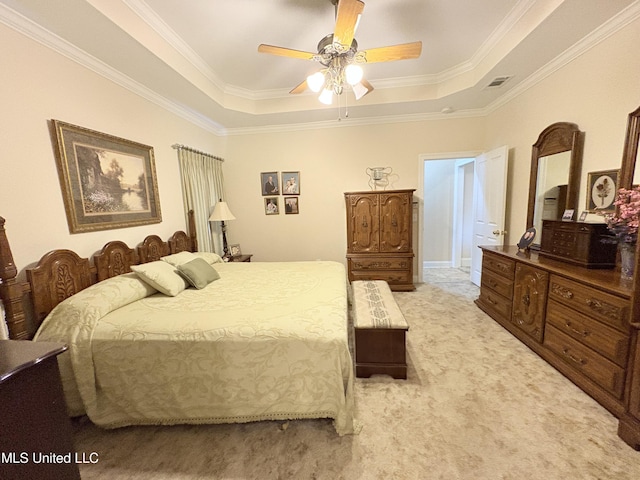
(380,330)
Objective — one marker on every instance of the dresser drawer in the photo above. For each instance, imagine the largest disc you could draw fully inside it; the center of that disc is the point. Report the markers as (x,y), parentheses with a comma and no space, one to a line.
(497,283)
(500,265)
(496,304)
(608,342)
(380,263)
(603,372)
(609,309)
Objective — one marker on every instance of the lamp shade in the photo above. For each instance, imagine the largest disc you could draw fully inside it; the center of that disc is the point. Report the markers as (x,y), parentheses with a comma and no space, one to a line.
(221,213)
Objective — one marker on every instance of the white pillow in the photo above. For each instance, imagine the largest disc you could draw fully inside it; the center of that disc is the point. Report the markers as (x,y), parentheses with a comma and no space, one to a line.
(179,258)
(161,276)
(211,258)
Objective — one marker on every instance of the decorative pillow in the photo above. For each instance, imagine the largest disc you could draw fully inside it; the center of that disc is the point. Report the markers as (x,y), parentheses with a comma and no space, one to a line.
(179,258)
(198,273)
(161,276)
(211,258)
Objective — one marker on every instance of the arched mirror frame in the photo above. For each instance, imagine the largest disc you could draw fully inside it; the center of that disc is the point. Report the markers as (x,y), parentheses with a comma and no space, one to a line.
(630,153)
(557,138)
(627,170)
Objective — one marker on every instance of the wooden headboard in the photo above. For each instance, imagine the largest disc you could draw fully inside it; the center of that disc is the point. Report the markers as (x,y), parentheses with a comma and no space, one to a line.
(61,273)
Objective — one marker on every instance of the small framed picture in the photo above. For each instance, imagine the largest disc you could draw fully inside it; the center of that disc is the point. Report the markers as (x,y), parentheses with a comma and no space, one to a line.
(527,238)
(291,205)
(271,206)
(567,216)
(602,189)
(269,182)
(583,216)
(290,183)
(234,250)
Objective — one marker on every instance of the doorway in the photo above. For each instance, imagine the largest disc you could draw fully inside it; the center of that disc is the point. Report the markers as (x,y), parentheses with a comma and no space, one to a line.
(447,214)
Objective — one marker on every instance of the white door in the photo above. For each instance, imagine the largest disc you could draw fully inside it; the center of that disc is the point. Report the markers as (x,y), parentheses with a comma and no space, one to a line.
(490,194)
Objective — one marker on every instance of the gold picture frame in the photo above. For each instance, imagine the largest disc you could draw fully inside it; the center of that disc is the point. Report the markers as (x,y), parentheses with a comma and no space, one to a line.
(107,182)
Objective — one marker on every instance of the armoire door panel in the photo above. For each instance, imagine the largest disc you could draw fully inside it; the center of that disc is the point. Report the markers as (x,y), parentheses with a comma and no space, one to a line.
(395,223)
(364,224)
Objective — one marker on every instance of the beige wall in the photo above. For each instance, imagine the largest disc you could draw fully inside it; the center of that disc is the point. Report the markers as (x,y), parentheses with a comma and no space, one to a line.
(37,85)
(331,161)
(596,91)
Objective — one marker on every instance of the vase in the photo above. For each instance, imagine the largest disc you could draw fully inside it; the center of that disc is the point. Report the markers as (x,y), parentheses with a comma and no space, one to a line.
(627,260)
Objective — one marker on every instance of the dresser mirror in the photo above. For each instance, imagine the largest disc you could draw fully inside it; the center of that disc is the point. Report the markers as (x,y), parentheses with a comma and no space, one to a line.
(554,182)
(629,174)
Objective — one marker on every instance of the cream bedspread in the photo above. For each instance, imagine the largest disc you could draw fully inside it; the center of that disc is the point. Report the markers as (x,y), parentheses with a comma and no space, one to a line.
(265,341)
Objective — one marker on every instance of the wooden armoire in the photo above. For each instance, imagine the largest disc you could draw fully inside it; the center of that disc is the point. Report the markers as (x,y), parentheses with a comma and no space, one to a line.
(379,237)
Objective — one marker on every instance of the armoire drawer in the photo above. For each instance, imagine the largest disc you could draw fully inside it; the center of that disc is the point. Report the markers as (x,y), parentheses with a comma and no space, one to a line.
(497,283)
(392,277)
(380,263)
(611,343)
(607,308)
(603,372)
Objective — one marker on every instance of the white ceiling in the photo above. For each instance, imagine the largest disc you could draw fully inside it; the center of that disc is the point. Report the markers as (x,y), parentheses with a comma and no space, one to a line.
(200,59)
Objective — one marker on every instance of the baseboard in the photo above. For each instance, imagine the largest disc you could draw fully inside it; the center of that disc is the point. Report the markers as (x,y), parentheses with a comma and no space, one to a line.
(439,264)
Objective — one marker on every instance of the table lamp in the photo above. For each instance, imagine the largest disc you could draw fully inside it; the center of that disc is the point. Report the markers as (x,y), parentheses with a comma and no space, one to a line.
(221,213)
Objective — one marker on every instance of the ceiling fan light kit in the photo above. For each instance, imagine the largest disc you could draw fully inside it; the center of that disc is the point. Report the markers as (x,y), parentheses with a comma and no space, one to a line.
(339,55)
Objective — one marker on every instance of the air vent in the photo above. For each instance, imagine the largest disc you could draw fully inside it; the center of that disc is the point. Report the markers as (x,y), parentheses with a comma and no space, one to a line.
(497,82)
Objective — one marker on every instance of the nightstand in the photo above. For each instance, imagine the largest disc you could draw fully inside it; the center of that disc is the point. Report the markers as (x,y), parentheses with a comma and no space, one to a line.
(34,418)
(242,258)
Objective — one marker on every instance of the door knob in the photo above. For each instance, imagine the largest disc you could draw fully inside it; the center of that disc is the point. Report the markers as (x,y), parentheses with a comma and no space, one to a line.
(498,232)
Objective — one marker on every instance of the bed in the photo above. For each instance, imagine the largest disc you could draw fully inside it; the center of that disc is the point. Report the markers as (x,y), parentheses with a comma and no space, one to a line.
(262,341)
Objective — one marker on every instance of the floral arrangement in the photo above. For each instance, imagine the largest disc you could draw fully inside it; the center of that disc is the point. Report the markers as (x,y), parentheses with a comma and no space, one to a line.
(624,222)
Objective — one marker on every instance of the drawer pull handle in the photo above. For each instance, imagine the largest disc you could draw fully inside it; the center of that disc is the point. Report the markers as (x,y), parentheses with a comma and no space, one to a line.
(561,291)
(573,358)
(364,222)
(492,283)
(584,333)
(605,309)
(492,302)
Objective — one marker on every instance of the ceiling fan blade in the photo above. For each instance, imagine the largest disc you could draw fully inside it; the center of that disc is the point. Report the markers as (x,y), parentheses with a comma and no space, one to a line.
(300,87)
(285,52)
(346,20)
(395,52)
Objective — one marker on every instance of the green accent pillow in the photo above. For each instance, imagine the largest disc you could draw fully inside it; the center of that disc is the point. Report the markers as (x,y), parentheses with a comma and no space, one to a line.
(161,276)
(198,273)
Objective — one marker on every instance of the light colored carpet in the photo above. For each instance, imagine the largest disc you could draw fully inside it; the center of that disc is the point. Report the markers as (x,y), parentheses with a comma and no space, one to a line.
(477,405)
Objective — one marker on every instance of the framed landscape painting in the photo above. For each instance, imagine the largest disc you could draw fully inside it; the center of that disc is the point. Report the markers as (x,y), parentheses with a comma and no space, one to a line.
(107,182)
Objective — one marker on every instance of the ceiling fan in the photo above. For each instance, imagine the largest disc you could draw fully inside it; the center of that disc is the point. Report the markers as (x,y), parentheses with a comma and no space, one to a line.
(339,55)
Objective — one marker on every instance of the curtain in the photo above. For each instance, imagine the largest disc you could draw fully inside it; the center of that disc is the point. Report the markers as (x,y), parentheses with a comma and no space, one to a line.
(202,187)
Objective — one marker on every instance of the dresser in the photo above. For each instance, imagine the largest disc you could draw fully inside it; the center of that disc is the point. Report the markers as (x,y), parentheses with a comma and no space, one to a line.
(379,237)
(577,319)
(36,437)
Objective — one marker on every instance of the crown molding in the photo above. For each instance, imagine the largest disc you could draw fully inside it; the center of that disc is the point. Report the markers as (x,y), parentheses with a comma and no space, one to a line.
(35,32)
(50,40)
(613,25)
